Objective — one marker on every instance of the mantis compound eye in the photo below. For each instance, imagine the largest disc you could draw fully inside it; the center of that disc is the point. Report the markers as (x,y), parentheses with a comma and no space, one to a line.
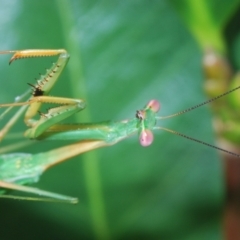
(146,138)
(140,114)
(154,105)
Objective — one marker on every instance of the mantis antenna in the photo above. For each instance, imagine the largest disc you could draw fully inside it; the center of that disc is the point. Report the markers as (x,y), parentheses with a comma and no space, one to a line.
(198,141)
(200,105)
(193,108)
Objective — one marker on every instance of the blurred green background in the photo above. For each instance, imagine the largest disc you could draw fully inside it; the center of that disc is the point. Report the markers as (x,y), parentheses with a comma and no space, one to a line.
(123,54)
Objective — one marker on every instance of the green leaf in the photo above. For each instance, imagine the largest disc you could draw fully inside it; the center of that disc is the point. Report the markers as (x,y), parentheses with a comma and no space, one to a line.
(123,54)
(207,19)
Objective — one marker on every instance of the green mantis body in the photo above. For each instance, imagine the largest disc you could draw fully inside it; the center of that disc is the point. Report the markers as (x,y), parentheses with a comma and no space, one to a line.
(18,169)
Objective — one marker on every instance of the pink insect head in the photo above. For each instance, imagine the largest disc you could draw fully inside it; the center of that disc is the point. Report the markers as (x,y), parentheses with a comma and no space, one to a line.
(147,122)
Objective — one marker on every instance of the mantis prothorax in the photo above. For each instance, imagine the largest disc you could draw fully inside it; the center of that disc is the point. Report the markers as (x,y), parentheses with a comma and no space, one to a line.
(18,169)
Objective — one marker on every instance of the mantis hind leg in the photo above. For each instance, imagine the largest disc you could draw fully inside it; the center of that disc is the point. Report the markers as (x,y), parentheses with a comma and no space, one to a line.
(45,195)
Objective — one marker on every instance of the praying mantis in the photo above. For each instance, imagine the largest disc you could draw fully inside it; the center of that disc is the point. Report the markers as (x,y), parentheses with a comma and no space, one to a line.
(20,169)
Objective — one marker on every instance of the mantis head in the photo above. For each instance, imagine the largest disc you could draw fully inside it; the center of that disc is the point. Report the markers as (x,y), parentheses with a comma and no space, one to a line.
(147,120)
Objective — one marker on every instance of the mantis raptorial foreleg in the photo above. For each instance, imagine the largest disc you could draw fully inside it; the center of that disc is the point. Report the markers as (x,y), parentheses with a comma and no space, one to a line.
(68,106)
(41,90)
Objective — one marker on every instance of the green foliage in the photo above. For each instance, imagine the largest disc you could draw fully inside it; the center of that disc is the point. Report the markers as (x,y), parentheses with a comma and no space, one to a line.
(123,54)
(207,19)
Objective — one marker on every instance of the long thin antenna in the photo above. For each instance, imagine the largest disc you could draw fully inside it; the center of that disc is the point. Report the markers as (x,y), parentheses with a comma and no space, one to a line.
(201,104)
(198,141)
